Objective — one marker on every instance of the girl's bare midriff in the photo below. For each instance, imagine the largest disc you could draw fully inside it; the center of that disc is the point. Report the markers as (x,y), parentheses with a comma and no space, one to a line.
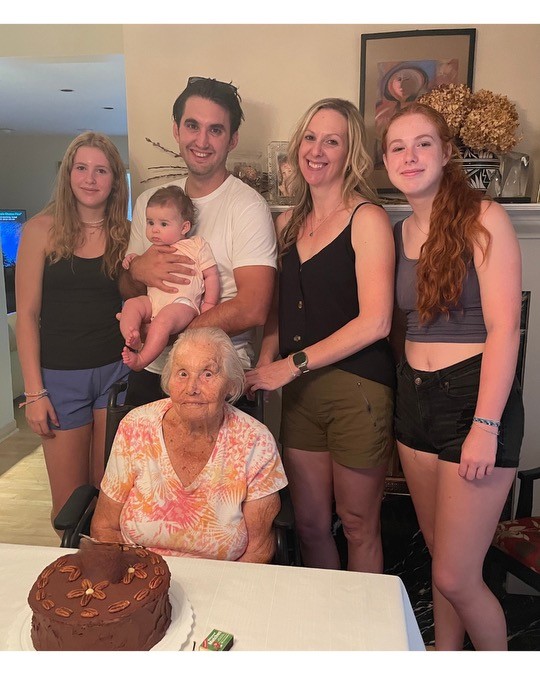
(429,356)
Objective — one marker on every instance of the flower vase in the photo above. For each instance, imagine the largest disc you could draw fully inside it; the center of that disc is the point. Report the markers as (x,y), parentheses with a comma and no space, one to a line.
(481,166)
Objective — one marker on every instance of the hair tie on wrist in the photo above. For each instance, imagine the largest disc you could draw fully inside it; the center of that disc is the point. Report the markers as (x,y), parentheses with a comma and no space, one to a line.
(35,398)
(493,431)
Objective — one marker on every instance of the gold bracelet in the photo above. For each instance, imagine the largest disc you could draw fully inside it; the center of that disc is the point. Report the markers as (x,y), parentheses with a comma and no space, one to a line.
(293,373)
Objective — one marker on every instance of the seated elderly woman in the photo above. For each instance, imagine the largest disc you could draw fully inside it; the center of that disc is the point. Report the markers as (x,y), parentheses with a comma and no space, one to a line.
(191,475)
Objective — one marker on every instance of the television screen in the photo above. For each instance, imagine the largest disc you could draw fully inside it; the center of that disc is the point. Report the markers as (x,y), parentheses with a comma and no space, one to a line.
(11,223)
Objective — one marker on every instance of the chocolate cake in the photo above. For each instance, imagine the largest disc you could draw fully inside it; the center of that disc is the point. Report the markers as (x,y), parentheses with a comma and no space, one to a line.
(104,597)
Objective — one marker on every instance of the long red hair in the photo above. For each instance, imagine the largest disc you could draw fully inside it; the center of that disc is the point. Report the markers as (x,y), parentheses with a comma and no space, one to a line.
(455,227)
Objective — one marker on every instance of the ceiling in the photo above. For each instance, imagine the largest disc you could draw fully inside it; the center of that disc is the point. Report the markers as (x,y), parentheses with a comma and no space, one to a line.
(31,101)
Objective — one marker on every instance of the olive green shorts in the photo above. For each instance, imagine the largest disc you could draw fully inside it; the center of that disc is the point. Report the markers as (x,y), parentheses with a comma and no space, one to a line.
(331,410)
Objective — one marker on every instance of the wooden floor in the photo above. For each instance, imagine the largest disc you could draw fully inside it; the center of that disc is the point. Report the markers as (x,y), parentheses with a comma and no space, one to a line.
(25,498)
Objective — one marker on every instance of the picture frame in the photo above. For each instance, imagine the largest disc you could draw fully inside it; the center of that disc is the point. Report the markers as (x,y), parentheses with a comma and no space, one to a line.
(398,67)
(278,171)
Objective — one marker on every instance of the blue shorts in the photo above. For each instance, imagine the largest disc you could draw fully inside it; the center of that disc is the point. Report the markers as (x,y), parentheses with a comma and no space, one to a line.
(434,411)
(76,393)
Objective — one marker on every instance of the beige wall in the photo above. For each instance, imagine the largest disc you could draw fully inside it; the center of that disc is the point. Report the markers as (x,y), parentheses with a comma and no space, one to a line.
(56,40)
(27,180)
(281,69)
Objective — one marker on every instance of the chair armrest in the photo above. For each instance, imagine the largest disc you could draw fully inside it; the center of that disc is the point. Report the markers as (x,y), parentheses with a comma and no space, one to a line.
(525,501)
(285,517)
(116,388)
(73,510)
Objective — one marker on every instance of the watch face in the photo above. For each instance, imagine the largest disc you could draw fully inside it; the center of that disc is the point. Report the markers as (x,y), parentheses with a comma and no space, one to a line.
(300,360)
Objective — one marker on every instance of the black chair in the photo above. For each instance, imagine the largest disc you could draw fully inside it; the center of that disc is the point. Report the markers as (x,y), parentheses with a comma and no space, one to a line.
(75,516)
(516,543)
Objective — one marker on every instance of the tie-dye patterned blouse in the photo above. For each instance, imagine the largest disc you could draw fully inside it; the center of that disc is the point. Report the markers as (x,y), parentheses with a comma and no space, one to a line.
(203,519)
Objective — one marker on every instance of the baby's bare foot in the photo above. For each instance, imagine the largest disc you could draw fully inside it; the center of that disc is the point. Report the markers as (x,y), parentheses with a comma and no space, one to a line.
(133,341)
(132,359)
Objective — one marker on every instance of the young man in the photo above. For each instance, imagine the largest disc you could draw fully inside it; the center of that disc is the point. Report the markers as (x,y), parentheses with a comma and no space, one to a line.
(231,216)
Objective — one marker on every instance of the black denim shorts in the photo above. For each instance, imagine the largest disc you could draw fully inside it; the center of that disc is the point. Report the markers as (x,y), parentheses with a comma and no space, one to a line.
(434,411)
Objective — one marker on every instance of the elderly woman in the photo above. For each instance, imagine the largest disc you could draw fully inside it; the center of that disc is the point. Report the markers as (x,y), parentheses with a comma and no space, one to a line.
(191,475)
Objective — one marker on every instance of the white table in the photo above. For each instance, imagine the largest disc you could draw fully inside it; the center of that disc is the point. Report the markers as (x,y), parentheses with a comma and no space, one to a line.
(265,607)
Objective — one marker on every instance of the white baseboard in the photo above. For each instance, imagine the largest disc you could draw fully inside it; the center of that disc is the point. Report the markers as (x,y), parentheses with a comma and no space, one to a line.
(8,430)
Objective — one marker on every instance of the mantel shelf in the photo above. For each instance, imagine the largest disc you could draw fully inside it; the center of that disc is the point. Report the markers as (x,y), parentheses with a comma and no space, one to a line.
(525,217)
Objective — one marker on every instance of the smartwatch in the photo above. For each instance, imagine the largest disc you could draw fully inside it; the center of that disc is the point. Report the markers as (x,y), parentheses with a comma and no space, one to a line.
(300,360)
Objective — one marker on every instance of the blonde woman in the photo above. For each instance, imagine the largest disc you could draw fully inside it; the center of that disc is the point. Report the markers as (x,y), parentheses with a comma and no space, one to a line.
(68,336)
(330,321)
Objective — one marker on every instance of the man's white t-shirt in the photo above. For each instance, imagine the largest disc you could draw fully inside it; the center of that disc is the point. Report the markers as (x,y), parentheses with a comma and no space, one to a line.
(236,221)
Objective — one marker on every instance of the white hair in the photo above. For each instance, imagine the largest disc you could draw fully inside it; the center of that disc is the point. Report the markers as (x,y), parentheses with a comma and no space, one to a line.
(230,361)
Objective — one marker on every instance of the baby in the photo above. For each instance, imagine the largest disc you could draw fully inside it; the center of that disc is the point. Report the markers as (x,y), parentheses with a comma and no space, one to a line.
(169,216)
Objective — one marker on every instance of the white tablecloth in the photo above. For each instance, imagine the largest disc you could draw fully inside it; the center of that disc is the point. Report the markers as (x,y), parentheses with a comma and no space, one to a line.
(265,607)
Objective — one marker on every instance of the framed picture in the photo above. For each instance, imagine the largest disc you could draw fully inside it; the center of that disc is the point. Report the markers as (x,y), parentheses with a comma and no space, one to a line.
(279,172)
(396,68)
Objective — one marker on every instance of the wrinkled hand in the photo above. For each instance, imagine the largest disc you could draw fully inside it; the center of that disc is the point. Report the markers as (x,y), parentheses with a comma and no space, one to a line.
(478,454)
(38,415)
(159,264)
(268,377)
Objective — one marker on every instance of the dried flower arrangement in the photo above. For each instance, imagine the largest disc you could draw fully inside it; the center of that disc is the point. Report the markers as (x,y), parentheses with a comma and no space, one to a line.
(481,121)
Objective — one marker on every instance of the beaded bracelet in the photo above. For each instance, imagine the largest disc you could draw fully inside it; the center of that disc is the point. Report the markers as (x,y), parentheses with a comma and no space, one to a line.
(37,393)
(293,373)
(35,398)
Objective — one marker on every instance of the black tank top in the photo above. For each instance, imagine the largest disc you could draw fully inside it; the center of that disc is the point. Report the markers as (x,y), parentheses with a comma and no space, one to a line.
(79,303)
(319,297)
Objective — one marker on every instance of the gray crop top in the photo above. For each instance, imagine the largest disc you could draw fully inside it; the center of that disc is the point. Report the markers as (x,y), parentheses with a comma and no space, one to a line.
(465,324)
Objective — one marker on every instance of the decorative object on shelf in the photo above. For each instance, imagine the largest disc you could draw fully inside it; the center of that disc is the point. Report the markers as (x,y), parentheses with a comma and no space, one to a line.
(179,170)
(515,174)
(279,173)
(248,167)
(485,126)
(398,67)
(482,168)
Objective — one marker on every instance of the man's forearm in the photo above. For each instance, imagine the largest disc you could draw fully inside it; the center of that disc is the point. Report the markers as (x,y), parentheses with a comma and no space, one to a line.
(231,316)
(129,288)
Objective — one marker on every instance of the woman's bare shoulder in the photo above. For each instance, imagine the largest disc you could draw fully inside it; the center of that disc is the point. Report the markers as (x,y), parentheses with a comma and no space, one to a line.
(40,223)
(36,231)
(370,215)
(494,217)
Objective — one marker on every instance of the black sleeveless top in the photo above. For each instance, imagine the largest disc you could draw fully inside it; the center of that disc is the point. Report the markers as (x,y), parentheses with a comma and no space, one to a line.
(79,303)
(319,297)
